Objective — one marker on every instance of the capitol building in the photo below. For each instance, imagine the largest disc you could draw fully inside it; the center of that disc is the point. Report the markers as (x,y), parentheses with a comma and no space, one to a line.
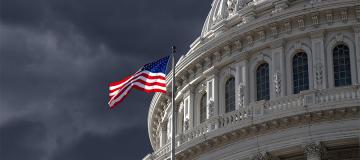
(266,80)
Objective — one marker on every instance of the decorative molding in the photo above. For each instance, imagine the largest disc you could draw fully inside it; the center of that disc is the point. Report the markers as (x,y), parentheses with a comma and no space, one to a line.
(202,88)
(319,73)
(329,18)
(277,82)
(287,26)
(231,7)
(261,34)
(344,15)
(315,20)
(301,23)
(241,95)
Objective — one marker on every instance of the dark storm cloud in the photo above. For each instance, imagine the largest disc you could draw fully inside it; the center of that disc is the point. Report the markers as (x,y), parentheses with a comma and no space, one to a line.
(56,59)
(90,146)
(22,140)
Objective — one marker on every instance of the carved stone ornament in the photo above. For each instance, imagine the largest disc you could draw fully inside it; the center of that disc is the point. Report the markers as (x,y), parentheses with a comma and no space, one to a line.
(344,15)
(279,7)
(277,82)
(262,156)
(319,73)
(238,44)
(181,106)
(202,88)
(241,3)
(315,20)
(211,107)
(274,31)
(297,46)
(231,7)
(241,95)
(261,35)
(229,72)
(301,24)
(329,18)
(186,124)
(287,26)
(312,150)
(339,38)
(250,40)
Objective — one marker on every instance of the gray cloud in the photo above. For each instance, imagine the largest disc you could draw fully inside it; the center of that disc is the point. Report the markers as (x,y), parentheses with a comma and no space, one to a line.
(56,59)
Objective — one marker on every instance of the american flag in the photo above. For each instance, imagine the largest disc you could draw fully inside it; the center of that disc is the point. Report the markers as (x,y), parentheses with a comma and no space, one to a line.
(149,78)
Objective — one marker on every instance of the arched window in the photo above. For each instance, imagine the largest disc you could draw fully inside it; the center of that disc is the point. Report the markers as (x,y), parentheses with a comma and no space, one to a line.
(230,95)
(341,61)
(262,82)
(300,72)
(203,109)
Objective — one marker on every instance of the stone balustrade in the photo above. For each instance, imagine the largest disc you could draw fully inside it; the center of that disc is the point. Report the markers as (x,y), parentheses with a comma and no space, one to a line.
(262,111)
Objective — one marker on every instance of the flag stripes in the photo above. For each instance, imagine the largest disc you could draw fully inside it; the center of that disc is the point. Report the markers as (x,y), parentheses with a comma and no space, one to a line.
(150,78)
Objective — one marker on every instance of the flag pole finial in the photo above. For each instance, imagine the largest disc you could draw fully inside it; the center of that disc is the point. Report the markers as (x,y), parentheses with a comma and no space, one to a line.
(173,49)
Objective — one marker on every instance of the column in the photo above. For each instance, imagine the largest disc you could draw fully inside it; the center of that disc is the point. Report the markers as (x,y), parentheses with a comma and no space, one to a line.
(312,151)
(277,78)
(357,50)
(318,61)
(163,135)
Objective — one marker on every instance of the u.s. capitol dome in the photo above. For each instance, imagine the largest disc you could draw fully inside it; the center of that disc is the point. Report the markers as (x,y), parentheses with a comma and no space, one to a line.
(266,80)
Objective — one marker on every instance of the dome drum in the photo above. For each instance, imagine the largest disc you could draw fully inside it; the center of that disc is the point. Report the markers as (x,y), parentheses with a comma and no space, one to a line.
(267,79)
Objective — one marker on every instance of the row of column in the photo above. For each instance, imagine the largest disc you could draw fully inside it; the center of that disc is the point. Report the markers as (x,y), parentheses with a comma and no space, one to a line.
(279,75)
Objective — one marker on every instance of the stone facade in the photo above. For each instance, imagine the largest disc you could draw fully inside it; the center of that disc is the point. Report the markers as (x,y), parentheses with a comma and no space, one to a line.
(320,122)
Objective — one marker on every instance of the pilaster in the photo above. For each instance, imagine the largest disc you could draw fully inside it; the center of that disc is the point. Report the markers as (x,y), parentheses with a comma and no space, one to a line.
(189,108)
(278,77)
(242,85)
(212,90)
(318,59)
(357,50)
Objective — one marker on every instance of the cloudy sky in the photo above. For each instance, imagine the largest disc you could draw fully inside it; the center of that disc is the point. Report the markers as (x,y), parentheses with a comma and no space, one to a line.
(56,60)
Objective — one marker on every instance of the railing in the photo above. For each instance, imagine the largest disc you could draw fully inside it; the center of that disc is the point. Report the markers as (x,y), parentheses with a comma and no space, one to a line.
(265,109)
(162,151)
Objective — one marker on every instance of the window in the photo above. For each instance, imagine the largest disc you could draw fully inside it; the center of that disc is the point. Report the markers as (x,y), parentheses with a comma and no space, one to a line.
(230,95)
(262,82)
(341,61)
(300,72)
(203,109)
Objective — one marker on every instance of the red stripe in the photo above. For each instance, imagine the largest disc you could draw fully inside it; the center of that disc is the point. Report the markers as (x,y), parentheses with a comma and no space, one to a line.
(119,82)
(141,89)
(149,91)
(116,103)
(145,75)
(128,84)
(142,82)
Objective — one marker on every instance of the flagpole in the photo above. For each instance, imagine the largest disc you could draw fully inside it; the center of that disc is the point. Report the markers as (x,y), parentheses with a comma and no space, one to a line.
(173,104)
